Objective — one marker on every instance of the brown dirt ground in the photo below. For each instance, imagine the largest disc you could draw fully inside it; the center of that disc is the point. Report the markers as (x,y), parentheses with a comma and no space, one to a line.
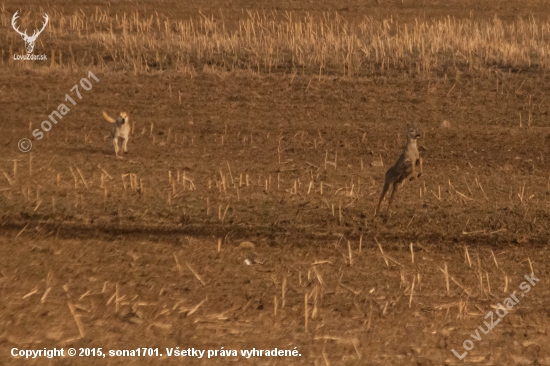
(141,264)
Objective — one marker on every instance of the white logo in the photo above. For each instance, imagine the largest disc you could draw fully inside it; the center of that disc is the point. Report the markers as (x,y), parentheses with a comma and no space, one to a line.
(29,40)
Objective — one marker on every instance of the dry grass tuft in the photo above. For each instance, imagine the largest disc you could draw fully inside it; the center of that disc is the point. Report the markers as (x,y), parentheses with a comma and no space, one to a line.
(327,45)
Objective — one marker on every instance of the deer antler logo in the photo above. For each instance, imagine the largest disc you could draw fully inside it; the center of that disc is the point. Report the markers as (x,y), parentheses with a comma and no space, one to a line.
(29,41)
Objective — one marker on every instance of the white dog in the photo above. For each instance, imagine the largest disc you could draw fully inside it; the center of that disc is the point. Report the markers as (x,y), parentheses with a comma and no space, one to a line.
(121,130)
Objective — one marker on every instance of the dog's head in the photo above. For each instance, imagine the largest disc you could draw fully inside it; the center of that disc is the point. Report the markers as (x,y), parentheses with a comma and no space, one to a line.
(122,118)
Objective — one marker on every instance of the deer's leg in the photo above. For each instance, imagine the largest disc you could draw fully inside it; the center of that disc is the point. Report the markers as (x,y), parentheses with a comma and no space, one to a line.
(395,185)
(384,190)
(420,163)
(412,175)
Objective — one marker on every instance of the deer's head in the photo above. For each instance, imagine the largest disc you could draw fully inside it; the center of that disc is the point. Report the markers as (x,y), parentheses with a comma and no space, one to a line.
(29,40)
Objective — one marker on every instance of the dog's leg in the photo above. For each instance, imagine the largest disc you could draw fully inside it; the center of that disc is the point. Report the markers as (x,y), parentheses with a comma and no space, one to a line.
(124,142)
(115,144)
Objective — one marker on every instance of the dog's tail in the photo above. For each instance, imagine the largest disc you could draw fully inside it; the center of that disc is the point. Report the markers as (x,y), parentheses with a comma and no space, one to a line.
(108,118)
